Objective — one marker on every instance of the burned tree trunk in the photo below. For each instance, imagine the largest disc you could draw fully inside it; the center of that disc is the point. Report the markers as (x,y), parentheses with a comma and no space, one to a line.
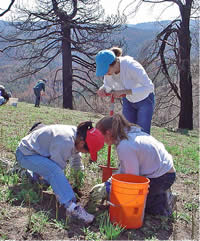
(186,112)
(67,68)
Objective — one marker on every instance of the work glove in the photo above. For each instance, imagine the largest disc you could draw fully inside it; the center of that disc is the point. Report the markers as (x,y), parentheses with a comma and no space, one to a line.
(100,192)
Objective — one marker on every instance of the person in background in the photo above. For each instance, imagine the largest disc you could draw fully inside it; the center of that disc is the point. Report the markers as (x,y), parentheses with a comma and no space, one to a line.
(143,155)
(4,95)
(46,150)
(124,75)
(39,89)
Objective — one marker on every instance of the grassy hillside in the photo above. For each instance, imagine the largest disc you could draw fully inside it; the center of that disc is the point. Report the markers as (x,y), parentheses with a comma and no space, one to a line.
(27,212)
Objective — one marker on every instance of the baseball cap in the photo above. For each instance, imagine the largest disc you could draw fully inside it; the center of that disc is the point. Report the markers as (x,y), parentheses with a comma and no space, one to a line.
(103,59)
(95,141)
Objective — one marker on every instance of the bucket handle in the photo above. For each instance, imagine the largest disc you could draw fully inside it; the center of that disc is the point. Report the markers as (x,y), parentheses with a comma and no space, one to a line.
(114,205)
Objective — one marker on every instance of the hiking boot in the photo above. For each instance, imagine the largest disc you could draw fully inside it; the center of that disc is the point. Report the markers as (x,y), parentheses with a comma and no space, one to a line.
(79,212)
(171,201)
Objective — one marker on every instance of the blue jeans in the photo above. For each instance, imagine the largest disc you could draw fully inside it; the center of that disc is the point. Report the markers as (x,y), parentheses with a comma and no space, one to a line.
(51,172)
(140,113)
(37,97)
(157,197)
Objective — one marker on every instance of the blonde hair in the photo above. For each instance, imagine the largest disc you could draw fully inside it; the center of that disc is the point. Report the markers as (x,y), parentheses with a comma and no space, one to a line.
(117,51)
(117,124)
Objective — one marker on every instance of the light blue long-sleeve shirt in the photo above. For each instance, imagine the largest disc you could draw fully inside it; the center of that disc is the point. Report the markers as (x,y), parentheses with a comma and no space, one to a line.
(143,155)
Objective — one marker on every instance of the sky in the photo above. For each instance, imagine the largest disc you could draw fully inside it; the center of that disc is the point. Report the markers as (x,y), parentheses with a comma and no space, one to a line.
(147,13)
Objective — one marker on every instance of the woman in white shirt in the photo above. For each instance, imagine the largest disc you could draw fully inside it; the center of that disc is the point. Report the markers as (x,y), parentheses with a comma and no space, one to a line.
(46,150)
(141,154)
(124,75)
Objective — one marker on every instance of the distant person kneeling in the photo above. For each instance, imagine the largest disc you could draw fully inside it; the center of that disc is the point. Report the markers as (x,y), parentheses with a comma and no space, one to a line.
(4,95)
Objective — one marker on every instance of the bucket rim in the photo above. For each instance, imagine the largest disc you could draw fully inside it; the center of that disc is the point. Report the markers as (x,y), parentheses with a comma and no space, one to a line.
(147,179)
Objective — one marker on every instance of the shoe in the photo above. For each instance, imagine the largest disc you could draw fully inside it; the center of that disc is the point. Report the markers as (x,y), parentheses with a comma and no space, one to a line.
(79,212)
(171,201)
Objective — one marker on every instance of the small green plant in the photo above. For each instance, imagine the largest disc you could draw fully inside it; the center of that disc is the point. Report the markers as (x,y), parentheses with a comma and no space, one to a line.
(191,206)
(38,221)
(183,216)
(60,224)
(3,236)
(7,179)
(90,235)
(109,230)
(28,196)
(77,177)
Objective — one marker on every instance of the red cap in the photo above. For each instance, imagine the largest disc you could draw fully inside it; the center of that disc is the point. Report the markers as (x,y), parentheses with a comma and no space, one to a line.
(95,141)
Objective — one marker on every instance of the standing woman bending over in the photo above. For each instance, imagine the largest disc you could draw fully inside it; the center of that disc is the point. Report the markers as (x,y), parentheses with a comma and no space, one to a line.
(124,75)
(45,152)
(141,154)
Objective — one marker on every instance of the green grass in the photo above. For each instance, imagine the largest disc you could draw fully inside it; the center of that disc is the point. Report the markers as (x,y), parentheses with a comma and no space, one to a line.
(38,221)
(15,123)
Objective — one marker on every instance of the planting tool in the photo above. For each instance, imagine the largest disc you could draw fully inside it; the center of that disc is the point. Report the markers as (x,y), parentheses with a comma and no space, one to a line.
(107,170)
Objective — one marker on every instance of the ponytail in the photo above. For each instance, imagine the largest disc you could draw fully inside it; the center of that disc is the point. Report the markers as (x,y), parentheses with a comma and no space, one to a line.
(118,125)
(83,128)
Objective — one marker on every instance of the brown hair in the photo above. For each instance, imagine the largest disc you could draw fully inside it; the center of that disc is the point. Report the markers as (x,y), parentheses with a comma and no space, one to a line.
(118,52)
(117,124)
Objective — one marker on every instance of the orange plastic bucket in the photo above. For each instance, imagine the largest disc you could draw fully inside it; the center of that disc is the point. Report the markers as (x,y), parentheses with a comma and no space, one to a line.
(128,199)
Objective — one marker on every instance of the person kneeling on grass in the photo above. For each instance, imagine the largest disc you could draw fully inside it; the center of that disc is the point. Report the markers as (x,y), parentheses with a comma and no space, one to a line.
(4,95)
(45,151)
(139,154)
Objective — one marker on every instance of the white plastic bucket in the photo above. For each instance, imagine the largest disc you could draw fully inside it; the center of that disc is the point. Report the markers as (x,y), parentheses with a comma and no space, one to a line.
(13,101)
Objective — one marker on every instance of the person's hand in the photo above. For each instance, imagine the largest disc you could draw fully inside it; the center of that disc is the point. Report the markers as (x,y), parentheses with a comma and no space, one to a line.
(117,93)
(43,93)
(101,92)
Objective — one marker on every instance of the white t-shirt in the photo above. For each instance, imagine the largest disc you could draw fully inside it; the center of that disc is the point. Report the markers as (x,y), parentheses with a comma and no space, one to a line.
(143,155)
(132,76)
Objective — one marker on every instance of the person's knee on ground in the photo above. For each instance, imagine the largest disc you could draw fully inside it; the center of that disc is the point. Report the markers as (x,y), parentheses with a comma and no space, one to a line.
(161,204)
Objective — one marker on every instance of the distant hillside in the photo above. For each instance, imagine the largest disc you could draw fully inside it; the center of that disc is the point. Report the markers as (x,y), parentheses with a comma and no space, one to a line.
(135,36)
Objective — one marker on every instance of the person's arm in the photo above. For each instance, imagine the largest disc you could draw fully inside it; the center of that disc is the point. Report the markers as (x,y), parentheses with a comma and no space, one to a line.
(106,87)
(75,162)
(127,156)
(139,76)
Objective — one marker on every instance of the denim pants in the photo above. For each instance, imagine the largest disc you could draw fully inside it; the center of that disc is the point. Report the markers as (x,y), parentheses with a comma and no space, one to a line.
(156,202)
(140,113)
(51,172)
(37,97)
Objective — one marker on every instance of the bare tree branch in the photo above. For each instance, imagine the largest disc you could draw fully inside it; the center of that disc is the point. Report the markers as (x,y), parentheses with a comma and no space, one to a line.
(8,9)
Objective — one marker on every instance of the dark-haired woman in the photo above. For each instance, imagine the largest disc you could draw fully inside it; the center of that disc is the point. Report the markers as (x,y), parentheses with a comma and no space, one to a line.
(46,150)
(4,95)
(124,75)
(141,154)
